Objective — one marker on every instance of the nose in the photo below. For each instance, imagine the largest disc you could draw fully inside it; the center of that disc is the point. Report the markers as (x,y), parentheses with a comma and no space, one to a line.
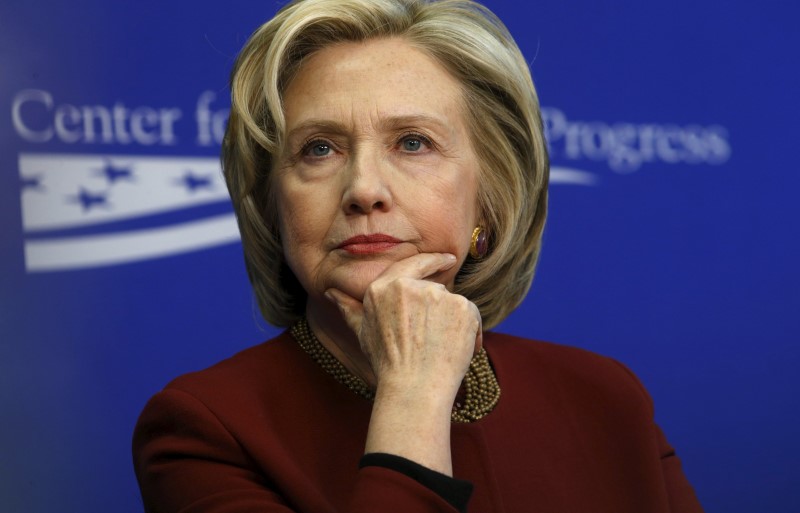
(367,187)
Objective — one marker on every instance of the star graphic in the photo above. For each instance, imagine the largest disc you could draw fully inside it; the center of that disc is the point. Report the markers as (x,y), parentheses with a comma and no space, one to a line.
(114,173)
(89,200)
(193,182)
(31,183)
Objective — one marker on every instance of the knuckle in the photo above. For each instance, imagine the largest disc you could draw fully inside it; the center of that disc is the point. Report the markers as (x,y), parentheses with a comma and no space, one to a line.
(375,289)
(461,302)
(404,287)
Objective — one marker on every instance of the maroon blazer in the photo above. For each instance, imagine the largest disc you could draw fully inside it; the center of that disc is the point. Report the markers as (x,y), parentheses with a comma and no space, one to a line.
(269,431)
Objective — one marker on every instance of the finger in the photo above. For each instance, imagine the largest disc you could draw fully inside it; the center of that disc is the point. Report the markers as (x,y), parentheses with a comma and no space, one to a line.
(352,309)
(420,266)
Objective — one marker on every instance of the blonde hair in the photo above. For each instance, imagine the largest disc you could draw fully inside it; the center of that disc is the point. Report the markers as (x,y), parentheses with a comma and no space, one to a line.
(503,117)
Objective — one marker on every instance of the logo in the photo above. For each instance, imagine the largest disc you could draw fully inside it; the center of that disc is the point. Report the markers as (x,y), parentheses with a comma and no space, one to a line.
(81,211)
(98,209)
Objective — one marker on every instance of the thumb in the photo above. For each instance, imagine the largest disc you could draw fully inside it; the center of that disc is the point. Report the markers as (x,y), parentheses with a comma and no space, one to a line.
(352,309)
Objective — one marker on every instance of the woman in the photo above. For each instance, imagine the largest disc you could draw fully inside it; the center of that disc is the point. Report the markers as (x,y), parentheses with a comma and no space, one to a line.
(388,169)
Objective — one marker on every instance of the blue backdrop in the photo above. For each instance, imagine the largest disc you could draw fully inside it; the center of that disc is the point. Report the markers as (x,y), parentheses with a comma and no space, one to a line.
(672,242)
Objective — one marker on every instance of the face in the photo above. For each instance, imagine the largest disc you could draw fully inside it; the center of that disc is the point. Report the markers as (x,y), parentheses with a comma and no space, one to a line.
(377,166)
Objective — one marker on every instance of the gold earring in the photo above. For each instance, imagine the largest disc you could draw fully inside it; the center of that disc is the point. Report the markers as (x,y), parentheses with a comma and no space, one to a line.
(479,245)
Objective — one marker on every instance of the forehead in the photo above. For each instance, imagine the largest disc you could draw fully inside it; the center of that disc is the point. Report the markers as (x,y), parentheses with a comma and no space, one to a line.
(383,77)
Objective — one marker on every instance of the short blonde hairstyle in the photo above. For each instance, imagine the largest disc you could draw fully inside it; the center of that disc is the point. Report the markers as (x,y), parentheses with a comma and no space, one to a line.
(500,106)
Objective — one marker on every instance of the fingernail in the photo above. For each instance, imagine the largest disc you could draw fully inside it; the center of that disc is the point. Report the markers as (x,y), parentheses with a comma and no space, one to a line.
(450,256)
(329,295)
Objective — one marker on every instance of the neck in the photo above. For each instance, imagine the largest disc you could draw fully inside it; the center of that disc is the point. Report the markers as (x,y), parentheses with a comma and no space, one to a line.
(335,335)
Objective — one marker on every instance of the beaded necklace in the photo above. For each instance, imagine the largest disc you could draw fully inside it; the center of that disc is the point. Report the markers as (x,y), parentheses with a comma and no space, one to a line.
(480,382)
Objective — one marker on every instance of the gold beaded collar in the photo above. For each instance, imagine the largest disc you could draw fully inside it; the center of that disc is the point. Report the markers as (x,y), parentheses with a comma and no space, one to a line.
(480,383)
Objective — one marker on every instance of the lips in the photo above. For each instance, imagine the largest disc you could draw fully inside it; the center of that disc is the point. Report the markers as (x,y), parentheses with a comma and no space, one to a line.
(369,244)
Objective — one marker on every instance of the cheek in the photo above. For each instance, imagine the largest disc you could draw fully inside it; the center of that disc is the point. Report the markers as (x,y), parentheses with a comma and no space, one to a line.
(302,236)
(299,228)
(301,249)
(446,223)
(300,210)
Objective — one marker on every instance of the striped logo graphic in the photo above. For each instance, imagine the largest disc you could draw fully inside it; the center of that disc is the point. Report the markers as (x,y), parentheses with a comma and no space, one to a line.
(82,211)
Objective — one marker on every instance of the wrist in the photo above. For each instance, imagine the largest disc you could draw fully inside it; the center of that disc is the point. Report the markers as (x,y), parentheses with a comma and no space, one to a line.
(419,390)
(412,424)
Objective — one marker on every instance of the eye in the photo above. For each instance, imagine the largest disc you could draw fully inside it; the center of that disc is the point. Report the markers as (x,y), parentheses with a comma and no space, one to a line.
(410,144)
(317,149)
(414,143)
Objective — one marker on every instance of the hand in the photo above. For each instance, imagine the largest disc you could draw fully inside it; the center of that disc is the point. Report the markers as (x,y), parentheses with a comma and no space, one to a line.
(417,335)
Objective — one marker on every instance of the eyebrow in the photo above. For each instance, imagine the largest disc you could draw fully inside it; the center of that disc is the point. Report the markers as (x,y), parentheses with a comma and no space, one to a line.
(395,122)
(387,123)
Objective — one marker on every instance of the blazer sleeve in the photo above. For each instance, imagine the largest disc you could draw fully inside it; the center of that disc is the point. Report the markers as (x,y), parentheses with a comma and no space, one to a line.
(681,495)
(187,461)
